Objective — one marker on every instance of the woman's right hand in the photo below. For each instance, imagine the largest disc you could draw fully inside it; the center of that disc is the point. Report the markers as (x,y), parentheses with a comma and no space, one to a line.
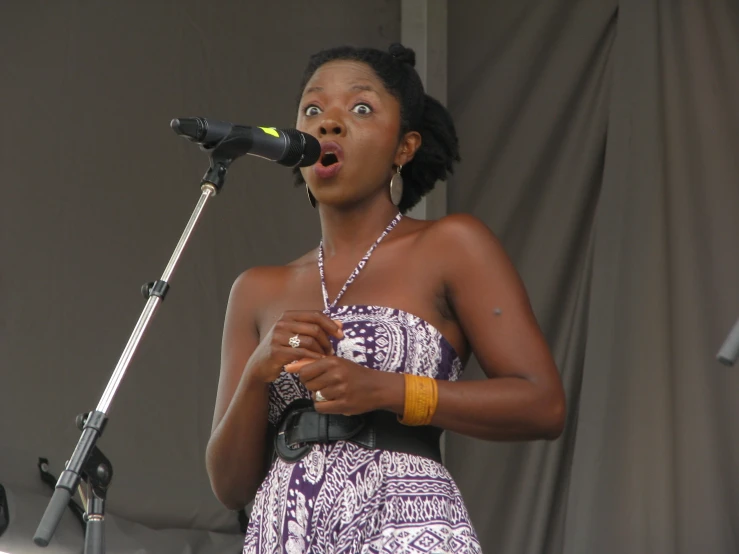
(312,329)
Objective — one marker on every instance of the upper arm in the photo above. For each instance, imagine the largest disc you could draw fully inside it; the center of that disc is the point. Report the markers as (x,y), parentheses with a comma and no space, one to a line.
(491,303)
(240,338)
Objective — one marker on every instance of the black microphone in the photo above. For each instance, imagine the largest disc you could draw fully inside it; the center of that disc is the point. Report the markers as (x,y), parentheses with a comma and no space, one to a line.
(287,147)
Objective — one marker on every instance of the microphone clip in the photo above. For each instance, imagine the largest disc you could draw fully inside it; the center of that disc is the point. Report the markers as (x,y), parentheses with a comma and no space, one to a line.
(222,156)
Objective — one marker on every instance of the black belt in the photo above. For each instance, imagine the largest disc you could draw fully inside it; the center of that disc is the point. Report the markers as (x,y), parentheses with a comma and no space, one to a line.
(301,426)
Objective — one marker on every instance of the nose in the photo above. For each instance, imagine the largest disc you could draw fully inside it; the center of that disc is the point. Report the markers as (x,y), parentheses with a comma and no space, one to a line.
(331,126)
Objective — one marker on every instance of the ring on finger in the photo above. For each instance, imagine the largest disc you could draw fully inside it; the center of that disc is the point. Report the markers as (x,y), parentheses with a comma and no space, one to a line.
(294,341)
(320,397)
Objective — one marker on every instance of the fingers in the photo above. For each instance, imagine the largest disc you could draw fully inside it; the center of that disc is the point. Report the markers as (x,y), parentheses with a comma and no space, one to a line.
(329,326)
(320,375)
(325,382)
(310,336)
(286,355)
(294,367)
(293,355)
(313,369)
(340,384)
(330,406)
(296,335)
(309,330)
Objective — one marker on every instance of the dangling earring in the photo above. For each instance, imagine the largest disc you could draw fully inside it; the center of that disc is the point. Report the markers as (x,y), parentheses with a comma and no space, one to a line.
(311,198)
(396,187)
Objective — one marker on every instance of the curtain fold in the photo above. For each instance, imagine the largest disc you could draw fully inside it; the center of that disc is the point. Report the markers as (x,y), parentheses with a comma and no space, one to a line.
(608,167)
(600,142)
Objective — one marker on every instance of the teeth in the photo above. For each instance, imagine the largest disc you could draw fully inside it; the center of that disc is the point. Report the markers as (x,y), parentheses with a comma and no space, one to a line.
(329,158)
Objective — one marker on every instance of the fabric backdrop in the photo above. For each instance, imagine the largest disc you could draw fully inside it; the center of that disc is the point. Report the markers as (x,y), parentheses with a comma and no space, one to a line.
(98,192)
(599,141)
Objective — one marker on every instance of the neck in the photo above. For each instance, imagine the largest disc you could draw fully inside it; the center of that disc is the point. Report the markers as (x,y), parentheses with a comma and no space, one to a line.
(354,230)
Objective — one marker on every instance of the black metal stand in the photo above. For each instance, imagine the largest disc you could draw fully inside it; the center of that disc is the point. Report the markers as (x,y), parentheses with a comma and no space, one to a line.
(87,461)
(96,475)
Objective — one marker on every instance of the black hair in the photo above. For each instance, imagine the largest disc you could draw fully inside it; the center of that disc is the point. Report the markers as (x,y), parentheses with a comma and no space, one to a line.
(418,112)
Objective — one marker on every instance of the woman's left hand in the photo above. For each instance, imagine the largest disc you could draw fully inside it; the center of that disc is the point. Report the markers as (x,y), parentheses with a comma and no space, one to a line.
(348,388)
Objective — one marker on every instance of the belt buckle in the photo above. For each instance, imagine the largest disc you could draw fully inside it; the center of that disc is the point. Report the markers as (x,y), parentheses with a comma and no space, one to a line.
(292,453)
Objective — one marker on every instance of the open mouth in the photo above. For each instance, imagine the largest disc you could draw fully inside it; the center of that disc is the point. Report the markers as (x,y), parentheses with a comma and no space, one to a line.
(332,158)
(329,158)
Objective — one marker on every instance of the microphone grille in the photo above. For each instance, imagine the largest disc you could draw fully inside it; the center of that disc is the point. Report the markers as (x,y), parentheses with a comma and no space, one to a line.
(302,149)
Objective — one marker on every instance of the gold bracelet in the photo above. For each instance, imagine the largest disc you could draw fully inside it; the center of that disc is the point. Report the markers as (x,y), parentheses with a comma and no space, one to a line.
(421,398)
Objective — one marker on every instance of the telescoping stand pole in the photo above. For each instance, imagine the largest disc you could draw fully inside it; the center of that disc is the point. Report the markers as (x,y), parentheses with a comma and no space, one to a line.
(225,142)
(94,423)
(87,462)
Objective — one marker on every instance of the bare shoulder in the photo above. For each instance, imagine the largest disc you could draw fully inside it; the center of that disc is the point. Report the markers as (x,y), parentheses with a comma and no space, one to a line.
(459,223)
(461,235)
(256,282)
(260,285)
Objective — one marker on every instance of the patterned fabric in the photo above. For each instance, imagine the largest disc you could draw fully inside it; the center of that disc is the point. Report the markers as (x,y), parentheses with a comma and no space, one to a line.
(345,499)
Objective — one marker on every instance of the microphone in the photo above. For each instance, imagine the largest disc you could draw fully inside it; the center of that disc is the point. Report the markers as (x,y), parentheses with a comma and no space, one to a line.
(287,147)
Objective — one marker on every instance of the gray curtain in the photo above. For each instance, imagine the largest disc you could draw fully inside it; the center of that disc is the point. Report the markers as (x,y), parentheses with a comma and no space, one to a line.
(600,142)
(98,190)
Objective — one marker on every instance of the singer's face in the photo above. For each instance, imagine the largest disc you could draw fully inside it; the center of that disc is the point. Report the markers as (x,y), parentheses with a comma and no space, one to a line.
(347,108)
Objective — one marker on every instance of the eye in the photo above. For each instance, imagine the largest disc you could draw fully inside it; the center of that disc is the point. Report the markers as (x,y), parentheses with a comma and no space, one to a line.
(312,110)
(362,109)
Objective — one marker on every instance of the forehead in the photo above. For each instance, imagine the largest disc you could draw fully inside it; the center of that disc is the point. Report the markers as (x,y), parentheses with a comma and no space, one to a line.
(344,74)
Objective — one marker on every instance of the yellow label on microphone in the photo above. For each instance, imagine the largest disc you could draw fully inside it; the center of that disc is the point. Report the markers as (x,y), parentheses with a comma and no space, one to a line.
(270,131)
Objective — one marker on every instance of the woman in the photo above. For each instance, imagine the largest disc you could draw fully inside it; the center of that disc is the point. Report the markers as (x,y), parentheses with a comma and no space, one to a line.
(352,379)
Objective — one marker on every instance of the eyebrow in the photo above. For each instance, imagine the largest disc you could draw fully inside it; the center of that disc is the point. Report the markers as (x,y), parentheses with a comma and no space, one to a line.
(363,87)
(367,88)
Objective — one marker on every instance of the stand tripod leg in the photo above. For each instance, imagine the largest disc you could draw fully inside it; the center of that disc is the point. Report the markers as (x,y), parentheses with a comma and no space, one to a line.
(95,534)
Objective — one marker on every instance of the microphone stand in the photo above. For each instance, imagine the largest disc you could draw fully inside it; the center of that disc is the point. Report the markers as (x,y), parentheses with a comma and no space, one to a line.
(87,462)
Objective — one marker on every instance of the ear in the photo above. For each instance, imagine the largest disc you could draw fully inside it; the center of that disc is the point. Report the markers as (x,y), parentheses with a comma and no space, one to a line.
(407,148)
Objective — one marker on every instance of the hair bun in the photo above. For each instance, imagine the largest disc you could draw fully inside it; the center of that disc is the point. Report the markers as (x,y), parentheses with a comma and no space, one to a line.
(403,54)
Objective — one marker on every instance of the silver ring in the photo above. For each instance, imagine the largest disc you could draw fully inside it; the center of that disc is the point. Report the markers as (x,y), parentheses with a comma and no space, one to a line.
(320,397)
(294,341)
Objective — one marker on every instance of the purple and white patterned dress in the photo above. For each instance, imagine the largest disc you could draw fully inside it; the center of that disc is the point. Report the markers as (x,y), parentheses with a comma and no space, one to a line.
(342,498)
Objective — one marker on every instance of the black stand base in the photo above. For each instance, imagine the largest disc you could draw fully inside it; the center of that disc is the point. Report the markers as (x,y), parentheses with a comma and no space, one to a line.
(97,474)
(93,469)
